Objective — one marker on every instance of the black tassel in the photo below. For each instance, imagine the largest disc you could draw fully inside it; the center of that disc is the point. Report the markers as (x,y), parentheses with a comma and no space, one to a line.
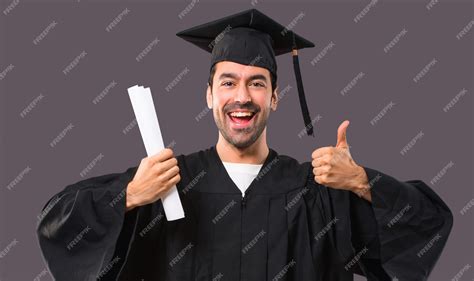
(299,83)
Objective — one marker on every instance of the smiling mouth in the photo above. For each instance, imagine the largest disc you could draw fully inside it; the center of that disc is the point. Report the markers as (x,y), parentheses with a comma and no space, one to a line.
(241,118)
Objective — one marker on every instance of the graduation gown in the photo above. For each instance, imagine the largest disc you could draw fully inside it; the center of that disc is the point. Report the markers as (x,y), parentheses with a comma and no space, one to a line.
(287,227)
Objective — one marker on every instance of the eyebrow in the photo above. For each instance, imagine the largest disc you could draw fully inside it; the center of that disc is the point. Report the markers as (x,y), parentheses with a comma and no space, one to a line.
(235,76)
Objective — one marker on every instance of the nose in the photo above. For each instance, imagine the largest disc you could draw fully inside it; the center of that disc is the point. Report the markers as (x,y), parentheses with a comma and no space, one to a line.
(242,95)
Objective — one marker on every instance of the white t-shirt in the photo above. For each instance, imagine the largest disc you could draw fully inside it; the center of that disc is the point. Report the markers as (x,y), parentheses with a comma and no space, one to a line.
(242,174)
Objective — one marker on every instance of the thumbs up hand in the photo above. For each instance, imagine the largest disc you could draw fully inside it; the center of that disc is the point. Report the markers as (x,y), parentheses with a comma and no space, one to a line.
(334,166)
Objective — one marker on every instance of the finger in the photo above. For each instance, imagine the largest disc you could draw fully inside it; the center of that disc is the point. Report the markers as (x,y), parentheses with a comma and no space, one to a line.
(161,156)
(320,179)
(321,161)
(174,180)
(162,167)
(342,135)
(169,184)
(322,151)
(323,170)
(170,173)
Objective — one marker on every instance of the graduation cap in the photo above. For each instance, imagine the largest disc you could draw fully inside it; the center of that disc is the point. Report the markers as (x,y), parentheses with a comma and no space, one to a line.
(251,38)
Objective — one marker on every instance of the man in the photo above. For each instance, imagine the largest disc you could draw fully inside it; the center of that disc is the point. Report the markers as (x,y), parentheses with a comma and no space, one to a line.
(251,214)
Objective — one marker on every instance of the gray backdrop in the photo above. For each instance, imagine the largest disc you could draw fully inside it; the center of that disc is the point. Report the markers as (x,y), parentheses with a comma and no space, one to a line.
(400,71)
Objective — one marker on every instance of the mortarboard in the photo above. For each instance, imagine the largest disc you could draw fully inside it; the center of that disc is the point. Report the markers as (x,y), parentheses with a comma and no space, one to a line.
(251,38)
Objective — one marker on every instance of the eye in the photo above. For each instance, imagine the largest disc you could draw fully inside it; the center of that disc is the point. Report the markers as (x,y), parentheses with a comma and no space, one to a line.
(257,84)
(227,84)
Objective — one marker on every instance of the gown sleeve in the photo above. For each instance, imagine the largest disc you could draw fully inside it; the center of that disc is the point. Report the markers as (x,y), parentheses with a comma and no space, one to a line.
(80,226)
(398,236)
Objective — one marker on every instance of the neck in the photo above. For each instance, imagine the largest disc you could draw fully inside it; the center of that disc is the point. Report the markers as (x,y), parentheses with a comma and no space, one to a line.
(256,153)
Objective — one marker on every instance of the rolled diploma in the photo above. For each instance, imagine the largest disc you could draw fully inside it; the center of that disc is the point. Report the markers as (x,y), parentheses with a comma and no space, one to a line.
(142,103)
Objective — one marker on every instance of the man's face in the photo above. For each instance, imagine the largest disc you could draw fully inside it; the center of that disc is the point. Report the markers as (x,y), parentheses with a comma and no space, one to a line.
(241,98)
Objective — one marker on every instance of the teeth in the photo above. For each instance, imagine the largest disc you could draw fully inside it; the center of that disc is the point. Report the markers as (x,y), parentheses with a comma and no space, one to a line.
(241,114)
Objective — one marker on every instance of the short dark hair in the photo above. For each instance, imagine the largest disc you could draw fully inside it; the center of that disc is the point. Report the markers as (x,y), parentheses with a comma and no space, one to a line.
(273,78)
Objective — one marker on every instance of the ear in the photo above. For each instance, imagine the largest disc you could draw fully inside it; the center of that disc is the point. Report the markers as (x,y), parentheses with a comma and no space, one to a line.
(209,96)
(274,101)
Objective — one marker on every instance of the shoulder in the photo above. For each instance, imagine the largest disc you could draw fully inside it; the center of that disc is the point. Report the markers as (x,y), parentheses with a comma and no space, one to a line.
(193,166)
(289,170)
(292,163)
(194,161)
(289,163)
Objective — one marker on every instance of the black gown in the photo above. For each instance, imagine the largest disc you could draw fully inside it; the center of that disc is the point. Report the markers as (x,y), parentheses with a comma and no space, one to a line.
(287,227)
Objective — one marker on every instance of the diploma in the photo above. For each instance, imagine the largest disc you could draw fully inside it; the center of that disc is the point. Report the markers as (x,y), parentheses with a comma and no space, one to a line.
(142,103)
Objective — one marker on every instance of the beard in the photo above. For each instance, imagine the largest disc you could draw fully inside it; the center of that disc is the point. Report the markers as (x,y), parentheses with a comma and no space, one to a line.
(241,137)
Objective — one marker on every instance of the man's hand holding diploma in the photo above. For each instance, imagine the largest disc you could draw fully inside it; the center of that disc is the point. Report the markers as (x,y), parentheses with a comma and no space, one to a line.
(155,176)
(144,109)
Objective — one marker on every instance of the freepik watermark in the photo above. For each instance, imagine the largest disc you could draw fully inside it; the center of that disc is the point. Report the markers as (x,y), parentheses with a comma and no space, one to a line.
(4,73)
(151,224)
(441,173)
(292,24)
(355,259)
(465,30)
(10,7)
(266,169)
(187,9)
(295,199)
(281,94)
(104,92)
(382,113)
(284,271)
(176,80)
(147,50)
(31,105)
(195,181)
(49,207)
(19,178)
(42,274)
(322,54)
(8,248)
(429,245)
(253,242)
(61,135)
(365,11)
(398,216)
(325,230)
(412,143)
(108,267)
(45,32)
(91,165)
(202,114)
(352,84)
(130,126)
(467,207)
(117,20)
(219,37)
(224,211)
(455,100)
(78,238)
(395,40)
(74,63)
(425,70)
(304,131)
(181,254)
